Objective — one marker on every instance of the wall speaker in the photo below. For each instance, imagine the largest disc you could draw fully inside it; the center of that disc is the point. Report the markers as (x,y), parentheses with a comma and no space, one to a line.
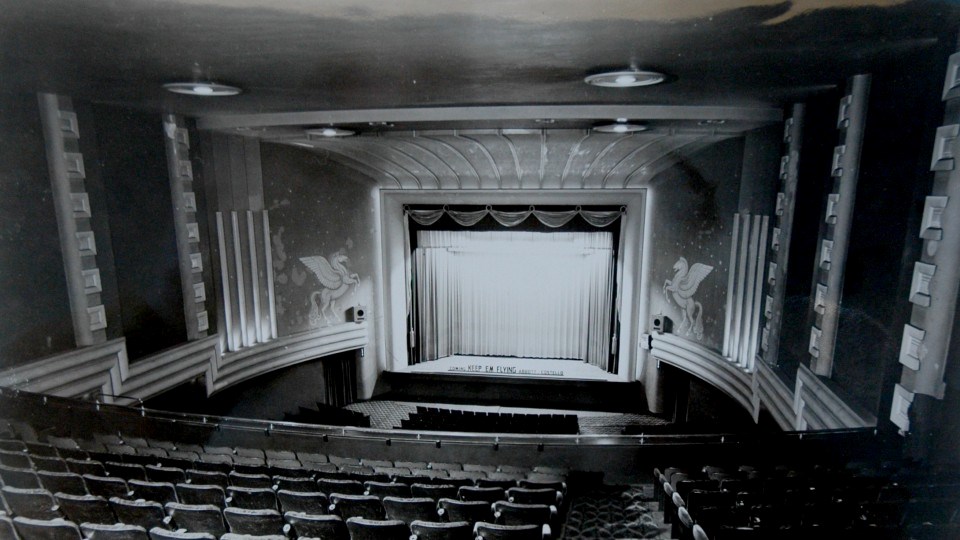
(659,323)
(357,314)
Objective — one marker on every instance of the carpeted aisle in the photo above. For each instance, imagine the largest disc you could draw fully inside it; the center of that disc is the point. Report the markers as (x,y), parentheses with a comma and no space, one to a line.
(615,512)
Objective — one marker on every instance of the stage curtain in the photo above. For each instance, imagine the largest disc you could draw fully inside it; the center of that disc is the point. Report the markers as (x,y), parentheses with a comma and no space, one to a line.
(516,294)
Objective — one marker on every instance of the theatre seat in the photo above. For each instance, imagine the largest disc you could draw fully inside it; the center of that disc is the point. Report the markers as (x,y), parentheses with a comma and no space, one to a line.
(260,481)
(508,513)
(492,531)
(434,491)
(31,503)
(113,531)
(158,533)
(365,506)
(410,509)
(196,517)
(16,459)
(40,529)
(295,483)
(386,489)
(17,477)
(325,526)
(534,496)
(252,498)
(433,530)
(486,494)
(159,473)
(347,487)
(201,494)
(7,531)
(216,478)
(309,502)
(161,492)
(373,529)
(256,522)
(147,514)
(85,466)
(469,511)
(106,486)
(85,508)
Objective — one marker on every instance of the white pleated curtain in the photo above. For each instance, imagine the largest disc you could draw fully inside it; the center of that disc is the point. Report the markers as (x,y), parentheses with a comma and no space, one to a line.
(515,294)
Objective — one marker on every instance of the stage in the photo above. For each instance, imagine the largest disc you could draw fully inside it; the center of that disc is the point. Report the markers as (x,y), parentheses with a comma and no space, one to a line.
(518,382)
(527,368)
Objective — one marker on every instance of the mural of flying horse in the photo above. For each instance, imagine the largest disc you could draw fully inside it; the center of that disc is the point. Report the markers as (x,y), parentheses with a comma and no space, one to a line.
(681,290)
(335,279)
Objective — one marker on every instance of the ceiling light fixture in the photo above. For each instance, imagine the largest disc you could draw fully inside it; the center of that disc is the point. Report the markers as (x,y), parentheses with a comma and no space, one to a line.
(202,89)
(626,78)
(620,126)
(328,132)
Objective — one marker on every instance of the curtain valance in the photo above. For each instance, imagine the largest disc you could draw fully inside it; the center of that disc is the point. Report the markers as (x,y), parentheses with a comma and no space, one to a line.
(512,218)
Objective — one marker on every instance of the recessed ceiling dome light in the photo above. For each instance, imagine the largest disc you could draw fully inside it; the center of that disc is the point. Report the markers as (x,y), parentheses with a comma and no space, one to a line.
(620,127)
(626,79)
(328,132)
(205,89)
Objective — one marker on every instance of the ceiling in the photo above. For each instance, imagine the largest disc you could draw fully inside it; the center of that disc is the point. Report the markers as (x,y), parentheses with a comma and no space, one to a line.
(415,65)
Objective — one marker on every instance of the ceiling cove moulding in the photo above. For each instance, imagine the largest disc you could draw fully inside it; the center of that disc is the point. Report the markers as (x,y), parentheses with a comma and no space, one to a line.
(760,115)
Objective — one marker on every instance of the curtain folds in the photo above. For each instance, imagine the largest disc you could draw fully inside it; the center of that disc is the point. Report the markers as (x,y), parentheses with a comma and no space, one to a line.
(553,219)
(519,294)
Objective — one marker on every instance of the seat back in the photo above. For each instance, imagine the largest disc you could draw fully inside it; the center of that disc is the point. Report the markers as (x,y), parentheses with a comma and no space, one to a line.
(365,506)
(533,496)
(255,522)
(147,514)
(113,531)
(410,509)
(508,513)
(106,486)
(85,466)
(434,530)
(159,473)
(326,526)
(207,478)
(295,483)
(161,492)
(201,494)
(469,511)
(373,529)
(336,485)
(15,458)
(252,498)
(434,491)
(22,478)
(386,489)
(492,531)
(486,494)
(159,533)
(40,529)
(85,508)
(314,502)
(31,503)
(260,481)
(127,471)
(62,482)
(7,531)
(197,517)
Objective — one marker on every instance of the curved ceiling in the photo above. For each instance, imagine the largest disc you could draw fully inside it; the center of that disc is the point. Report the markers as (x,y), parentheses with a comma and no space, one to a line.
(514,159)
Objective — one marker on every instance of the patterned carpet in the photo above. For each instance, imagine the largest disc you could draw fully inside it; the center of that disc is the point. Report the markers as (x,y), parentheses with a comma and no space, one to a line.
(388,414)
(615,512)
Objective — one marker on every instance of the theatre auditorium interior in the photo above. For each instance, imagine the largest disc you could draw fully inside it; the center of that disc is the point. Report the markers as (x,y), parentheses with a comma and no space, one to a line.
(545,269)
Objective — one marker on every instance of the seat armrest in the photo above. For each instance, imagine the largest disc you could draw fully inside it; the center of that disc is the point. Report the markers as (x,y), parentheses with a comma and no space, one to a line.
(546,532)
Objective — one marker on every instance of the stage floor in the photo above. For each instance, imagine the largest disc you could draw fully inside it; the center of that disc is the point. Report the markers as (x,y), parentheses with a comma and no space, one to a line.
(527,368)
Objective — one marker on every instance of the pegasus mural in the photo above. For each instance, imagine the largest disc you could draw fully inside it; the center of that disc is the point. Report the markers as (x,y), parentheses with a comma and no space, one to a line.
(335,279)
(681,289)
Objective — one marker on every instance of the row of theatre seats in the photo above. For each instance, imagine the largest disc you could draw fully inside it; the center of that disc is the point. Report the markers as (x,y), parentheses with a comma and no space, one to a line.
(436,419)
(127,488)
(883,502)
(328,415)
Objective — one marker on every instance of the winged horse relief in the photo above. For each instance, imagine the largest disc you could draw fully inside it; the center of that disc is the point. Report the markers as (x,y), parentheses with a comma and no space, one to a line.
(335,280)
(682,288)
